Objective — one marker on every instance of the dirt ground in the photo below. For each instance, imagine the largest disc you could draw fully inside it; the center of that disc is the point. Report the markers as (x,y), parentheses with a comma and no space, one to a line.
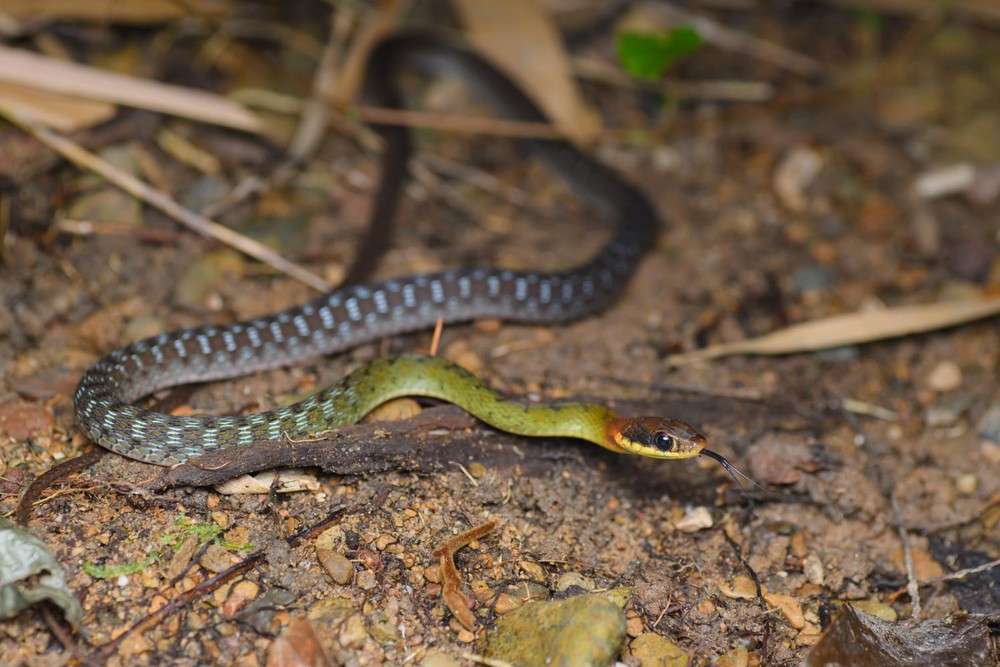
(865,448)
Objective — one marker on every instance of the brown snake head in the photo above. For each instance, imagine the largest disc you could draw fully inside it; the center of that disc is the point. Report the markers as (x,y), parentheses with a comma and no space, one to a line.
(657,438)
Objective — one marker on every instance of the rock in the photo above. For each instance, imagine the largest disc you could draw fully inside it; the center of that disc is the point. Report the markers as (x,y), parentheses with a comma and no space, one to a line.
(967,484)
(439,659)
(812,278)
(242,593)
(620,596)
(199,280)
(876,609)
(574,580)
(354,634)
(737,657)
(575,632)
(789,608)
(534,571)
(383,631)
(216,559)
(698,518)
(336,564)
(143,326)
(330,612)
(946,376)
(948,410)
(367,580)
(988,427)
(656,651)
(525,592)
(793,176)
(743,588)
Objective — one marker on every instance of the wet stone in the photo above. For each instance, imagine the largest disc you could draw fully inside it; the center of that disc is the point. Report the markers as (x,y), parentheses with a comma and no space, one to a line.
(575,632)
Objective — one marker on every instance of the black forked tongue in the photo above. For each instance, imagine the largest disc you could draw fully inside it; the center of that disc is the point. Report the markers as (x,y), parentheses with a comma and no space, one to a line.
(733,471)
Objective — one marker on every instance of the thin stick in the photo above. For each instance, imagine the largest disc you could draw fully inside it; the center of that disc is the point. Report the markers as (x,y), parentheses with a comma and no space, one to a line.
(436,339)
(961,574)
(912,587)
(158,200)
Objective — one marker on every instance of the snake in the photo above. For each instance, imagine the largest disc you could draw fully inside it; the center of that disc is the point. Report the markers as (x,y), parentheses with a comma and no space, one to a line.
(356,313)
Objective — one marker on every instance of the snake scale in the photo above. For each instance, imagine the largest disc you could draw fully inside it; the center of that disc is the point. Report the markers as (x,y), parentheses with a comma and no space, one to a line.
(358,313)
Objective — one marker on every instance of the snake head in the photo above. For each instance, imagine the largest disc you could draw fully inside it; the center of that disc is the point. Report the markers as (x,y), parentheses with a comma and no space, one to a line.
(657,438)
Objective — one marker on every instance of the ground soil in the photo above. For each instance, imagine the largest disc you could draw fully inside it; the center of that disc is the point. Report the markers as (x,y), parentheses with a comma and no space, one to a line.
(738,256)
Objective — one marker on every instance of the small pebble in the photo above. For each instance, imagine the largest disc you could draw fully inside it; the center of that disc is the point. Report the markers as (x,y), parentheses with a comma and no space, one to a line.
(967,484)
(527,592)
(991,452)
(813,278)
(743,588)
(143,326)
(947,410)
(329,611)
(789,608)
(698,518)
(877,609)
(395,410)
(534,571)
(182,557)
(946,376)
(737,657)
(793,175)
(988,427)
(383,631)
(634,626)
(438,659)
(337,565)
(384,540)
(366,580)
(652,650)
(569,580)
(216,559)
(505,604)
(353,634)
(242,593)
(813,568)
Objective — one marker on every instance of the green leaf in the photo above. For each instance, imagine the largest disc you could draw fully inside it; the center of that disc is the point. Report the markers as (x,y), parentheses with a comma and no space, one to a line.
(648,55)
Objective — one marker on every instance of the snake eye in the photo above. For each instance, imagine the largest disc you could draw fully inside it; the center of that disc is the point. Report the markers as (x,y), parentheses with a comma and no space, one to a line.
(664,442)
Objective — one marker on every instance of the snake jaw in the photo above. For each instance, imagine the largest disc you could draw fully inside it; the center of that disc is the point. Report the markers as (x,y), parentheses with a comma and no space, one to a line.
(657,437)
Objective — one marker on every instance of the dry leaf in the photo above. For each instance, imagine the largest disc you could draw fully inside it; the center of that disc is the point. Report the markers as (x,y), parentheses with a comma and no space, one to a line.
(142,13)
(21,67)
(63,112)
(520,37)
(854,328)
